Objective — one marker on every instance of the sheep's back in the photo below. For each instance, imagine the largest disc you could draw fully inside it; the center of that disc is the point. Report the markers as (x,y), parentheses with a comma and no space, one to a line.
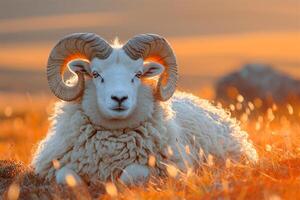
(211,128)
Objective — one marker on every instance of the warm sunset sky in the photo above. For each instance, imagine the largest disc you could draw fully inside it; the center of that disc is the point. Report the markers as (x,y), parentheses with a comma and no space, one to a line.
(210,38)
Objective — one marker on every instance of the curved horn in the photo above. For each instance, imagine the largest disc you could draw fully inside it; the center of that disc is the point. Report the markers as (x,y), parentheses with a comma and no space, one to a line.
(77,45)
(149,46)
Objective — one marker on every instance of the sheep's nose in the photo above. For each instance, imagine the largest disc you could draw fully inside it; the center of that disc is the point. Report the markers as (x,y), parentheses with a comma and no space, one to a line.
(119,99)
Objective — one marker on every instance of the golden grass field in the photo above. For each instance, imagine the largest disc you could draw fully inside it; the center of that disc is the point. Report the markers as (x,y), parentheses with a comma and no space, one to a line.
(210,39)
(24,121)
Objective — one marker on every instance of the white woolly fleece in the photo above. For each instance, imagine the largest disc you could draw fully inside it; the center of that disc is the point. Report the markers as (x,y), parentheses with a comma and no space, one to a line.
(95,153)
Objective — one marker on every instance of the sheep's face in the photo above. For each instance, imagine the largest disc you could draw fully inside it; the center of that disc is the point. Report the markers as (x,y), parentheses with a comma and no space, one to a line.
(119,82)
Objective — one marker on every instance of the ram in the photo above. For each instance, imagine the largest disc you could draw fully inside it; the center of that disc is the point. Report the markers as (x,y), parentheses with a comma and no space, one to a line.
(123,109)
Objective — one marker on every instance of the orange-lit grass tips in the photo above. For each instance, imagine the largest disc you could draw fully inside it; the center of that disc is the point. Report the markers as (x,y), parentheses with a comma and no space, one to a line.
(270,114)
(56,164)
(13,192)
(187,149)
(172,171)
(210,160)
(151,161)
(70,180)
(274,197)
(290,109)
(111,189)
(248,111)
(232,107)
(189,172)
(251,105)
(228,163)
(268,148)
(274,107)
(239,106)
(170,151)
(257,126)
(201,153)
(240,98)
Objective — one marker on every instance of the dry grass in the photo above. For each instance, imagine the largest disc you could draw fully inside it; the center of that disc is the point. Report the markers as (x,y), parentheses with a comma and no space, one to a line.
(277,139)
(23,121)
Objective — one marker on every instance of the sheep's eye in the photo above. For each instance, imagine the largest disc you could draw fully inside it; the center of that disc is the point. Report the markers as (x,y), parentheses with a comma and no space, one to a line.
(95,74)
(138,74)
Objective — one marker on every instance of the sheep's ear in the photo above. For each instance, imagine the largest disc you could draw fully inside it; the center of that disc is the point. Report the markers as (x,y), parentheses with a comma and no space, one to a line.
(152,69)
(78,65)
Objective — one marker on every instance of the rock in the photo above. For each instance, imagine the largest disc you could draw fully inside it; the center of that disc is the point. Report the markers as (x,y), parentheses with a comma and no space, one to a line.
(258,82)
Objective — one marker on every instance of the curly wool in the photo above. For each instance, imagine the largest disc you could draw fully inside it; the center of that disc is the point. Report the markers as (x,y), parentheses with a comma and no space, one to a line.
(212,130)
(100,154)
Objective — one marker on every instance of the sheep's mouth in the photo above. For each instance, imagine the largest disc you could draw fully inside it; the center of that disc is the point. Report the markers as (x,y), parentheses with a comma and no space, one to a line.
(119,109)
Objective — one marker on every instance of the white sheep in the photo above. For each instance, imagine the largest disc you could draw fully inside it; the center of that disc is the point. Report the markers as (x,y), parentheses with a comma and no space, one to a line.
(119,114)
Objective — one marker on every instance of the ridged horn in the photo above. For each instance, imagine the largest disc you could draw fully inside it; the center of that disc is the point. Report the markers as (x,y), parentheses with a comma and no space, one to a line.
(147,46)
(77,45)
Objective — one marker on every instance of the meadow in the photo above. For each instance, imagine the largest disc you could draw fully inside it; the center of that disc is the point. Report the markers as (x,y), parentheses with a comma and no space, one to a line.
(210,39)
(24,121)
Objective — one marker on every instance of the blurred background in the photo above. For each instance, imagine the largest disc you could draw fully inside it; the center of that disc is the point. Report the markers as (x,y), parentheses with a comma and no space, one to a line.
(210,38)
